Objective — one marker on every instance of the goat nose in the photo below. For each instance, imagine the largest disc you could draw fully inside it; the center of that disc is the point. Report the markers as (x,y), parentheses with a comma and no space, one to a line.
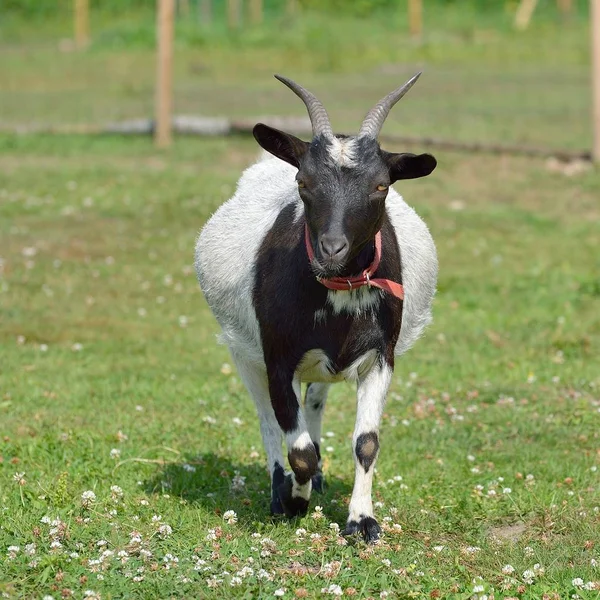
(333,247)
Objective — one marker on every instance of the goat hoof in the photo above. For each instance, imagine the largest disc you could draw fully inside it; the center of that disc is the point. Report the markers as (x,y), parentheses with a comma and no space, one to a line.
(367,527)
(293,506)
(318,482)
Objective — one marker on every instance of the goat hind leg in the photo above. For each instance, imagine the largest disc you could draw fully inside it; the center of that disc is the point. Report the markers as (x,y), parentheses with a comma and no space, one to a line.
(255,380)
(314,405)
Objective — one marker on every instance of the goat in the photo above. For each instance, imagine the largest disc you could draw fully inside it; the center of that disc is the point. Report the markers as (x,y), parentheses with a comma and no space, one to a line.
(317,271)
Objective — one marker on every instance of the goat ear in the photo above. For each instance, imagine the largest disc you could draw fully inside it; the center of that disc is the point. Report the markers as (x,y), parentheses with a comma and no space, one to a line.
(282,145)
(409,166)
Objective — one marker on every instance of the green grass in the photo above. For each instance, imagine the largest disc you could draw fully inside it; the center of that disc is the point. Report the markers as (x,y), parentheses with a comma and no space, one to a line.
(96,242)
(107,344)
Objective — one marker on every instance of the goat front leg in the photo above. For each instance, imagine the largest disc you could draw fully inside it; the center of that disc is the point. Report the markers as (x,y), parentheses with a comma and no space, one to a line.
(371,393)
(294,492)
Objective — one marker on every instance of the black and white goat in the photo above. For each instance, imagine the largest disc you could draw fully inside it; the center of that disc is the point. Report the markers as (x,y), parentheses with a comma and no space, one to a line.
(318,271)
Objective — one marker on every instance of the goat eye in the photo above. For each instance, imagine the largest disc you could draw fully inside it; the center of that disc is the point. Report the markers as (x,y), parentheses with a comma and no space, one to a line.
(382,188)
(301,184)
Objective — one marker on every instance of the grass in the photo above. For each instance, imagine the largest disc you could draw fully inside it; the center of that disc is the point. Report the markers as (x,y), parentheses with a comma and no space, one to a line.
(107,344)
(110,374)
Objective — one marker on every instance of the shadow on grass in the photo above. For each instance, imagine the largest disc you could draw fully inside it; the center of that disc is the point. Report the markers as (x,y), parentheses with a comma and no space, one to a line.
(218,484)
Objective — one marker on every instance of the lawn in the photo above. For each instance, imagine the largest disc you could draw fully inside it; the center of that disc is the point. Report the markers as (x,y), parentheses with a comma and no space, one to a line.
(126,438)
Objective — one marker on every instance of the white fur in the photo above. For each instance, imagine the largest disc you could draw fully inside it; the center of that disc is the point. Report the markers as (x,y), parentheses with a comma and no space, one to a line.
(371,393)
(228,244)
(355,301)
(302,491)
(343,151)
(255,380)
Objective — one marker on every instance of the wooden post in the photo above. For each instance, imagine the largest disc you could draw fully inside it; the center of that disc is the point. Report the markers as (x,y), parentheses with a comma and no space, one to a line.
(415,18)
(82,23)
(205,14)
(234,13)
(524,14)
(164,73)
(256,11)
(595,19)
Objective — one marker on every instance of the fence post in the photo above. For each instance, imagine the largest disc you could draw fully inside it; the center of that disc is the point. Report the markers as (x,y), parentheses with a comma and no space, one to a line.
(524,13)
(256,11)
(82,23)
(415,18)
(595,24)
(164,73)
(234,13)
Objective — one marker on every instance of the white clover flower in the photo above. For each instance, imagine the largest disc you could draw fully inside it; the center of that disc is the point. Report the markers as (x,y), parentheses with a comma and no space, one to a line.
(577,582)
(238,483)
(528,576)
(165,531)
(529,551)
(506,490)
(88,498)
(115,453)
(334,527)
(280,592)
(30,549)
(230,516)
(318,512)
(235,581)
(19,478)
(115,490)
(589,586)
(300,532)
(508,569)
(333,590)
(189,468)
(438,548)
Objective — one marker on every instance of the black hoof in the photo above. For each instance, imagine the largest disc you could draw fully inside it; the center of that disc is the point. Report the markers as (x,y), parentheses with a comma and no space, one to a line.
(367,527)
(318,482)
(292,506)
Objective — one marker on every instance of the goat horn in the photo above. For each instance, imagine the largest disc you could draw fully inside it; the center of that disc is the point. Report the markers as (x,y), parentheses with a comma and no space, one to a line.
(375,118)
(316,111)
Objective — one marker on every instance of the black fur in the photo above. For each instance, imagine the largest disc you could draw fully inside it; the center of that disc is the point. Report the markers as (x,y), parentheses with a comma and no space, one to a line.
(367,447)
(277,478)
(304,463)
(292,507)
(367,527)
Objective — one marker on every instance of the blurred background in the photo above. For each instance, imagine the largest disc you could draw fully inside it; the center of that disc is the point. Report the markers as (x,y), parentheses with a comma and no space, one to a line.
(505,71)
(110,374)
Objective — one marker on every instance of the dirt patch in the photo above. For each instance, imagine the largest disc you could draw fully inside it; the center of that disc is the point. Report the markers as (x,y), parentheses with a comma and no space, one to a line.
(508,533)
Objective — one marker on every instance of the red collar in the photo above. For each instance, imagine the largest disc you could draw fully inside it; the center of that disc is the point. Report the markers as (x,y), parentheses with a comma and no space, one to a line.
(350,283)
